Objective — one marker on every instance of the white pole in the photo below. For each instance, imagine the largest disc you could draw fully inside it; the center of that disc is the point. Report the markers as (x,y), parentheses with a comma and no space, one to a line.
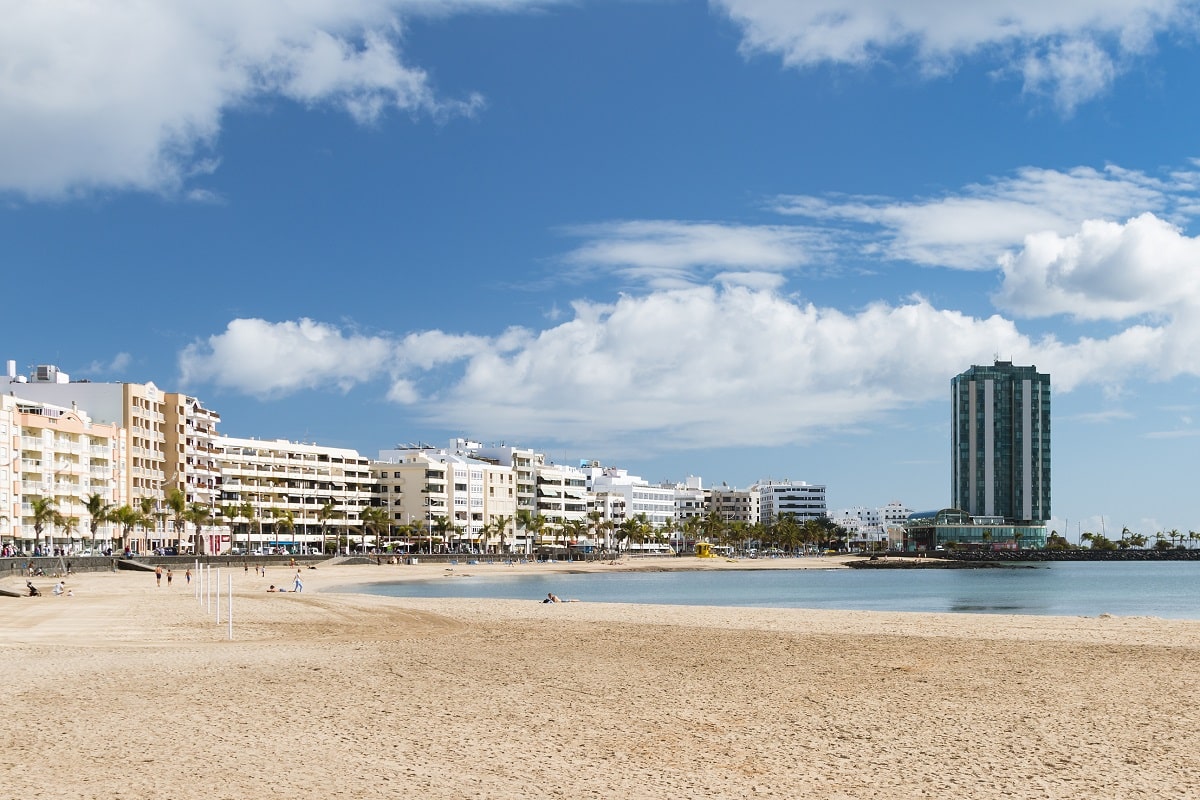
(218,595)
(208,585)
(231,608)
(196,585)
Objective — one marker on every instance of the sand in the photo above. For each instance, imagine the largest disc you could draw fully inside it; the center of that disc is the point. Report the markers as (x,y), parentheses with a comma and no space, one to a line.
(128,690)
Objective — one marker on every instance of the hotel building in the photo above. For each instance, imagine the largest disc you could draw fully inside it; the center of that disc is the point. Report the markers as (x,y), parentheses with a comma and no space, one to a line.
(1000,440)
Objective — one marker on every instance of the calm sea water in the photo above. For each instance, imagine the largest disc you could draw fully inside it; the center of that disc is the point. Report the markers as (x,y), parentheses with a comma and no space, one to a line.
(1163,589)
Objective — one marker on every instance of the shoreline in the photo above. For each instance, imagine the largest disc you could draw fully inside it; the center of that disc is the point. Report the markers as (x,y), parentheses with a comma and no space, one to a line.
(352,695)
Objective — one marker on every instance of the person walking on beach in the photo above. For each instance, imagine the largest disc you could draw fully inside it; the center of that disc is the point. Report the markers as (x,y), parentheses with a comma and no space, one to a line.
(158,576)
(188,575)
(170,575)
(297,586)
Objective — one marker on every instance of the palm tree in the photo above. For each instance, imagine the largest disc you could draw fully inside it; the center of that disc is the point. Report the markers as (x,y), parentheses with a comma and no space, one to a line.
(68,524)
(199,515)
(128,518)
(45,512)
(99,511)
(525,522)
(443,526)
(246,512)
(327,512)
(283,526)
(150,514)
(500,524)
(374,519)
(176,503)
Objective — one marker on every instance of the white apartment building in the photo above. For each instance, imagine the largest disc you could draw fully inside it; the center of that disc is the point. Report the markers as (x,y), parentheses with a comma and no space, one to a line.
(894,513)
(281,494)
(657,503)
(191,432)
(804,501)
(523,461)
(50,452)
(563,499)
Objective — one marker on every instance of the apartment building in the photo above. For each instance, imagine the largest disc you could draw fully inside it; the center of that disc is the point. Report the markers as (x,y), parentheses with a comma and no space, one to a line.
(443,499)
(138,409)
(191,454)
(57,454)
(281,494)
(735,505)
(803,501)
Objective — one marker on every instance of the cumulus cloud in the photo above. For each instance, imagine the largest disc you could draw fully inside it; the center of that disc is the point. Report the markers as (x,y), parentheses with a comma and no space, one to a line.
(970,229)
(271,359)
(1071,50)
(129,94)
(1104,271)
(694,367)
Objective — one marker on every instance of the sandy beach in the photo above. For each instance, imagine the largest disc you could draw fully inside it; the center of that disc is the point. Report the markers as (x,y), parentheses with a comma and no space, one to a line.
(132,690)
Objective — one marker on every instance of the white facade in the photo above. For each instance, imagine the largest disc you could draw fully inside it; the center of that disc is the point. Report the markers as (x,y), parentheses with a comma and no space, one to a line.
(657,503)
(49,452)
(804,501)
(287,484)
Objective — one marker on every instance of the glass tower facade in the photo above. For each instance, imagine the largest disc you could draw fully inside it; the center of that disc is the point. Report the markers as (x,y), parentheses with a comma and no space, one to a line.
(1001,442)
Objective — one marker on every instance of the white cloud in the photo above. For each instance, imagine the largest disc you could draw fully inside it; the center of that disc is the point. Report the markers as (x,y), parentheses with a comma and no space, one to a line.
(1071,48)
(666,254)
(271,359)
(129,94)
(1105,270)
(696,367)
(972,228)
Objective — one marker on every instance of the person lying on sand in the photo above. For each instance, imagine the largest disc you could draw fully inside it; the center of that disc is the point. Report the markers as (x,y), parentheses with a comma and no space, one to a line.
(551,597)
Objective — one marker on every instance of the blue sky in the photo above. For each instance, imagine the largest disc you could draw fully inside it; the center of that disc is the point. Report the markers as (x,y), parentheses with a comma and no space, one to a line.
(743,239)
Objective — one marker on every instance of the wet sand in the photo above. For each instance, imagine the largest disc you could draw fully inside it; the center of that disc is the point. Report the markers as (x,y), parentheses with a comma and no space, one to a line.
(128,690)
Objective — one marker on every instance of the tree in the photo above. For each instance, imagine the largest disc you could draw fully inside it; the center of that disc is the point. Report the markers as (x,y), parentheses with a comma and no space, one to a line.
(283,526)
(374,519)
(99,511)
(176,503)
(443,526)
(246,512)
(199,515)
(127,517)
(327,512)
(500,524)
(68,525)
(149,514)
(45,512)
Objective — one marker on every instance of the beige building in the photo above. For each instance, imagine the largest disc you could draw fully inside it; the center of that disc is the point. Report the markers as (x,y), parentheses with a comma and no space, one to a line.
(138,409)
(441,499)
(56,453)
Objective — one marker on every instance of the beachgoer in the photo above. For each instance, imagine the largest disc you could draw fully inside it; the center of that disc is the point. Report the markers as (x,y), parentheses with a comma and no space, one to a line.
(297,586)
(170,575)
(33,590)
(59,588)
(551,597)
(188,575)
(158,576)
(271,588)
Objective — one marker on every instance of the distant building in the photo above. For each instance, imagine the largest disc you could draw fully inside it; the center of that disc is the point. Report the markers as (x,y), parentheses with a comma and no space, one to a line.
(803,501)
(1000,438)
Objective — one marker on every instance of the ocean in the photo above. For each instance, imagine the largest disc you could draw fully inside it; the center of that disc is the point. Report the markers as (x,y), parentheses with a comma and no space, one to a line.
(1169,589)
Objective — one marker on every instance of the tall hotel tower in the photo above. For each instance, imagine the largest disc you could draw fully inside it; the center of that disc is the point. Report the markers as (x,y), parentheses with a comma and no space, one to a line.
(1001,442)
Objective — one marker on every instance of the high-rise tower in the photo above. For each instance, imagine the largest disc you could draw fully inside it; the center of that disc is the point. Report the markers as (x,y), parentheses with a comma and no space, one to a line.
(1000,432)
